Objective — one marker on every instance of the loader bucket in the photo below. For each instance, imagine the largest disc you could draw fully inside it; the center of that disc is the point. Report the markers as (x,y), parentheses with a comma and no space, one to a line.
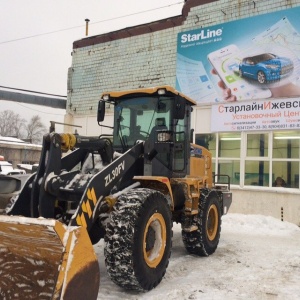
(44,259)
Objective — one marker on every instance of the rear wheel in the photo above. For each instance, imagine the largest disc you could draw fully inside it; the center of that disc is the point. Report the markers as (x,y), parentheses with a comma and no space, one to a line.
(138,240)
(261,77)
(204,241)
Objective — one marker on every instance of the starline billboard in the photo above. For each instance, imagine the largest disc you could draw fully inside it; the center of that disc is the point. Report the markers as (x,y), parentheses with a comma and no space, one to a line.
(249,59)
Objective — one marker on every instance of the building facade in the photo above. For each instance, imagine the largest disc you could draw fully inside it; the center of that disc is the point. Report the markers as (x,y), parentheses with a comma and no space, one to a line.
(252,141)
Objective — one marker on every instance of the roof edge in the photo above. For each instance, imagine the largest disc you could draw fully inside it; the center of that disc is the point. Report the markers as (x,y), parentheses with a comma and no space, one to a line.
(143,28)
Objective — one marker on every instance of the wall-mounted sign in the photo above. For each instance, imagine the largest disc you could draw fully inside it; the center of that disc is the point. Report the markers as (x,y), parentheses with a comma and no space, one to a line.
(247,59)
(278,114)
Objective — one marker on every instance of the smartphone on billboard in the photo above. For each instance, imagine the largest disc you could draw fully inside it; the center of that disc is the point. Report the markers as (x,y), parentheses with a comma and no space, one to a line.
(193,80)
(226,62)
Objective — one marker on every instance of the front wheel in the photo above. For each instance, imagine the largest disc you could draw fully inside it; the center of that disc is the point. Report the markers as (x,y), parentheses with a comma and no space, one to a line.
(204,241)
(138,239)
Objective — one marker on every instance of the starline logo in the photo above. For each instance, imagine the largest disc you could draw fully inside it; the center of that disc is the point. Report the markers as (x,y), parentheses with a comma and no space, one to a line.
(202,35)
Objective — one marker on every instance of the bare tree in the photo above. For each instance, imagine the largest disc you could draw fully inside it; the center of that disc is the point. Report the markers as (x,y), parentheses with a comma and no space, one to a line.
(11,124)
(35,129)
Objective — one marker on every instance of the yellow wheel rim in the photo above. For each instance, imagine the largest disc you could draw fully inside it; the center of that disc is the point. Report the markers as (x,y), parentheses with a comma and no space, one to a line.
(154,249)
(212,222)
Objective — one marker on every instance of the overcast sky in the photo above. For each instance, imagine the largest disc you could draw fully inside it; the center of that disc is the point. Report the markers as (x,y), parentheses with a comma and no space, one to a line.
(36,38)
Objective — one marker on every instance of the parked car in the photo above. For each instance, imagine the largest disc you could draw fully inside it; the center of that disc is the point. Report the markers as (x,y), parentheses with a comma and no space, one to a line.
(265,67)
(16,172)
(6,168)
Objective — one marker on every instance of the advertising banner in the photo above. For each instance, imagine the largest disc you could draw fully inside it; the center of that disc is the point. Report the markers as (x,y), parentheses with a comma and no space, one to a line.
(252,58)
(277,114)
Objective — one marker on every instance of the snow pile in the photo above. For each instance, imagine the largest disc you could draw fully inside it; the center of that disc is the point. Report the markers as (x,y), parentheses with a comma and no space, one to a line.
(258,258)
(257,225)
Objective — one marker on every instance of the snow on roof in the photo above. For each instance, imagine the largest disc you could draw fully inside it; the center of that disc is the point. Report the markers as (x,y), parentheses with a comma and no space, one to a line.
(25,166)
(10,139)
(5,163)
(15,141)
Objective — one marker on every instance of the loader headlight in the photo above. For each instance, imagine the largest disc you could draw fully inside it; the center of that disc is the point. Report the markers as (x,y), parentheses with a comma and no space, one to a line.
(105,97)
(163,137)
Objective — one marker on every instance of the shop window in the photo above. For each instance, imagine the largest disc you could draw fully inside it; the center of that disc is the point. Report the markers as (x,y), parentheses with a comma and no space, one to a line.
(271,159)
(286,144)
(286,174)
(257,173)
(257,145)
(229,145)
(231,168)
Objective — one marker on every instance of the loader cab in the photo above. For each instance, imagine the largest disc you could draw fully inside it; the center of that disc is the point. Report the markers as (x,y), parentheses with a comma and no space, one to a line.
(160,117)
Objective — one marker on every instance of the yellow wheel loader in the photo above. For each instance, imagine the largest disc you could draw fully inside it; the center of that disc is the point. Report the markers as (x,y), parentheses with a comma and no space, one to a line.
(128,188)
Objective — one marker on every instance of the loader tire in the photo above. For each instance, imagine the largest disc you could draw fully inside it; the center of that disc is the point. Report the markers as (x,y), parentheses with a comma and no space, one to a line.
(138,240)
(204,241)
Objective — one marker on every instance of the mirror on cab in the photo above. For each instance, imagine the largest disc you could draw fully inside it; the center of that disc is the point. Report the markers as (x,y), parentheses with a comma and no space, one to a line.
(101,111)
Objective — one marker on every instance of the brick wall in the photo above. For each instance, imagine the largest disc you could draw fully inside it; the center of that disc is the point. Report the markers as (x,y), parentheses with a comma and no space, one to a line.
(145,55)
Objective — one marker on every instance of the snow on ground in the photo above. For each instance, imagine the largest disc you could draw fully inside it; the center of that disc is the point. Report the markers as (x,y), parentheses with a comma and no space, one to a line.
(258,258)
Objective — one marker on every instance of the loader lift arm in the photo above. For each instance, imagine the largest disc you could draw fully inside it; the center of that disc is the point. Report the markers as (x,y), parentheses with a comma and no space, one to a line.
(51,181)
(37,199)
